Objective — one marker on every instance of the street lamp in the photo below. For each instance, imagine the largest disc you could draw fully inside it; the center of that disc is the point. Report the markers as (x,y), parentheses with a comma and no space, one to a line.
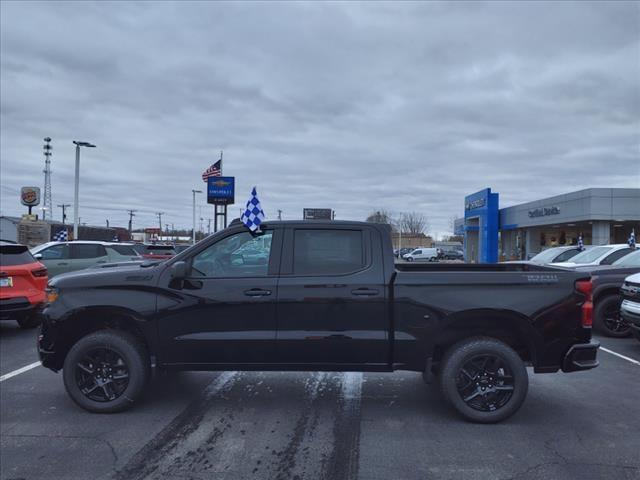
(77,185)
(193,234)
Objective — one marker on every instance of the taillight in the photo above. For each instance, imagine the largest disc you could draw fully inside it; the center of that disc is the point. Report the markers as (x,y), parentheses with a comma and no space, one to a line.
(39,272)
(585,287)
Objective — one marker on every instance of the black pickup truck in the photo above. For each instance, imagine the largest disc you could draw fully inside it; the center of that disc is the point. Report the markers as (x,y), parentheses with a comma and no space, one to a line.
(317,296)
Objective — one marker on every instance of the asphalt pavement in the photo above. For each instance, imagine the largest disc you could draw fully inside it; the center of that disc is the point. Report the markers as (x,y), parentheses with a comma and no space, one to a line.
(321,426)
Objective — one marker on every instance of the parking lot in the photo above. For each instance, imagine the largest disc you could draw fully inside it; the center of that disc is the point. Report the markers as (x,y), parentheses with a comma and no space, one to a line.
(238,425)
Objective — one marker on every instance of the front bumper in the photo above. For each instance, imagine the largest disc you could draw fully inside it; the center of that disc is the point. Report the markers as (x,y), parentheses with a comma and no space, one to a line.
(581,356)
(630,313)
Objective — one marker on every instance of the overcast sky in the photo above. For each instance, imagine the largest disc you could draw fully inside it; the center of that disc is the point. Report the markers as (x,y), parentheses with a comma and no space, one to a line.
(355,107)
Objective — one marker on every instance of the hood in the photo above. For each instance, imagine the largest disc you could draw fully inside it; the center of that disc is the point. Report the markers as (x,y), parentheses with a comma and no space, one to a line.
(126,274)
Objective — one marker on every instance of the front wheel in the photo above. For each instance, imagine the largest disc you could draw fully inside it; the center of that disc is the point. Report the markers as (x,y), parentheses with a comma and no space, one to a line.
(484,379)
(409,259)
(607,319)
(106,371)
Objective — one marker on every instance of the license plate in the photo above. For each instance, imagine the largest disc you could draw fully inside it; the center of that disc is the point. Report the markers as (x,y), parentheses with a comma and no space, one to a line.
(6,282)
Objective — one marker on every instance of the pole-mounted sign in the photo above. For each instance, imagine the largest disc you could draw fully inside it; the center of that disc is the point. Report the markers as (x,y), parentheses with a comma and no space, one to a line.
(30,197)
(221,190)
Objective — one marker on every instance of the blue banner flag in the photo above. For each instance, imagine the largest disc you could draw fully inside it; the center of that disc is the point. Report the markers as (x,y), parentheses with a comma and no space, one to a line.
(253,214)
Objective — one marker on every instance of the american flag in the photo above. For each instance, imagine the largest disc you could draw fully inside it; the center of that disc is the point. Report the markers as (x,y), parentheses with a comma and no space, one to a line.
(214,170)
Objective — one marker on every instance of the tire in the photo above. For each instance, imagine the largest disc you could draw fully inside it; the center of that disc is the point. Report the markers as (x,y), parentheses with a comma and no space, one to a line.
(114,358)
(607,320)
(410,259)
(28,321)
(497,394)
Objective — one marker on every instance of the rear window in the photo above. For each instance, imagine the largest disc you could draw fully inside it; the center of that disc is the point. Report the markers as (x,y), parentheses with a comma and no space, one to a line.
(127,250)
(160,249)
(327,252)
(15,255)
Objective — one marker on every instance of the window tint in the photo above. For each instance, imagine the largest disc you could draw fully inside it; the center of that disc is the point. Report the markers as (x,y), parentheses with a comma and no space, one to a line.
(417,252)
(126,250)
(239,255)
(609,259)
(87,250)
(565,256)
(631,260)
(15,255)
(57,252)
(329,252)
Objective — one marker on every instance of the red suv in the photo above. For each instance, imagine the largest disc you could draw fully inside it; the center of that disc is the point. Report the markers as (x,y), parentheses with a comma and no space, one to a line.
(23,281)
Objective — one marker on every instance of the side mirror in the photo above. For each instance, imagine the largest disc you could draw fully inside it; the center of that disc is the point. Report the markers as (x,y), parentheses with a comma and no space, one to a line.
(179,270)
(38,256)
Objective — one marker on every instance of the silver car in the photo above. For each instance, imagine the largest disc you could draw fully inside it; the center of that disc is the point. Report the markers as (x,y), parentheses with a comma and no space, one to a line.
(63,257)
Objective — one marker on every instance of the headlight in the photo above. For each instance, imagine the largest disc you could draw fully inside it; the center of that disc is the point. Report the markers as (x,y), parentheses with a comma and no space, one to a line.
(52,294)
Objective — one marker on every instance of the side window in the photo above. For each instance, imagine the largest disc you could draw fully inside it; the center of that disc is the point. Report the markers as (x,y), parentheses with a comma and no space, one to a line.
(87,250)
(57,252)
(327,252)
(418,252)
(609,259)
(239,255)
(565,256)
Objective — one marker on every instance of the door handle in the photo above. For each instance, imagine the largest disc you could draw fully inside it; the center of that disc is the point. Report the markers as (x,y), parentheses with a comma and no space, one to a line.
(257,292)
(62,263)
(364,292)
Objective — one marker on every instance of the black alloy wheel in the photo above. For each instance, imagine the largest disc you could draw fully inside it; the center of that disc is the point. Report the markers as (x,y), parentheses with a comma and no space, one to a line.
(607,319)
(102,374)
(485,382)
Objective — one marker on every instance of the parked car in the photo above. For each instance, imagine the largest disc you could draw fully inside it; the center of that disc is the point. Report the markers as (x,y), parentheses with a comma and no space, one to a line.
(557,254)
(630,308)
(157,252)
(453,255)
(22,284)
(607,280)
(63,257)
(181,248)
(329,298)
(403,251)
(598,255)
(422,254)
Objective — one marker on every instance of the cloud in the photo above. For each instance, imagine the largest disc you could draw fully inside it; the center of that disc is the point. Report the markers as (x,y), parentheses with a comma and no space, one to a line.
(351,106)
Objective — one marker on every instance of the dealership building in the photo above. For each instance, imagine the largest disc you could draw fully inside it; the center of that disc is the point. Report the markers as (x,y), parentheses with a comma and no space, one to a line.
(601,215)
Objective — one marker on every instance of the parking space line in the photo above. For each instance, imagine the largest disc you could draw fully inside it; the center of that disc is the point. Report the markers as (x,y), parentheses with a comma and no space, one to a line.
(26,368)
(621,356)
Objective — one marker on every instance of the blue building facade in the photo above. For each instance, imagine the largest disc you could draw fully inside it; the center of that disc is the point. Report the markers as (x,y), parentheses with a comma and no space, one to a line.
(481,224)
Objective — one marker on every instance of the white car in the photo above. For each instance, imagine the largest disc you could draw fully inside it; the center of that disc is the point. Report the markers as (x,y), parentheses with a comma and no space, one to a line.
(422,254)
(630,307)
(63,257)
(598,255)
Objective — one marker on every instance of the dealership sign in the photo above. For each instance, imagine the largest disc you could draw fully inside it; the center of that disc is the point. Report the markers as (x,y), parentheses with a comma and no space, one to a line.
(221,190)
(543,212)
(473,204)
(30,196)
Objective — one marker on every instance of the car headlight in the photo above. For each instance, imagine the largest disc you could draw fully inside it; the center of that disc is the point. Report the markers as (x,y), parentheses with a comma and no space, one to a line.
(52,294)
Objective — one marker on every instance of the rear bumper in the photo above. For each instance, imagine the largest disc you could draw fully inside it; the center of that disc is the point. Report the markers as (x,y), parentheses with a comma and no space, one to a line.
(581,356)
(10,308)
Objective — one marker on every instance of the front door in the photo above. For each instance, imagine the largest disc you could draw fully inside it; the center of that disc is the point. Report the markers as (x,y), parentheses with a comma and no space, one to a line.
(56,258)
(224,312)
(332,307)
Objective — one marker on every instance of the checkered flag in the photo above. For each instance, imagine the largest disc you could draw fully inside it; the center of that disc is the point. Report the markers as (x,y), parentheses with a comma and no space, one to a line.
(61,236)
(253,215)
(580,242)
(632,239)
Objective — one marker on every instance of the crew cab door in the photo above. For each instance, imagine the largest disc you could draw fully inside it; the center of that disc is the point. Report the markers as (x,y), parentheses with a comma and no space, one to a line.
(332,298)
(224,312)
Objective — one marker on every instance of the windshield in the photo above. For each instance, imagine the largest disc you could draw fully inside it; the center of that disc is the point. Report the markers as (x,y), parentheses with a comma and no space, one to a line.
(591,255)
(546,256)
(630,260)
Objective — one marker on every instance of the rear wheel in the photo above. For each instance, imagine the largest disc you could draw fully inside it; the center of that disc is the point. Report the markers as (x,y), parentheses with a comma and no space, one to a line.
(607,319)
(484,379)
(28,321)
(106,371)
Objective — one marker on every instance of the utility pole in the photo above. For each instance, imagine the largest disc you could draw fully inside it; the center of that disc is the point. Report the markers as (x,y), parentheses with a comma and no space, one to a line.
(279,214)
(159,214)
(201,230)
(131,215)
(47,206)
(193,232)
(64,211)
(76,190)
(107,223)
(208,226)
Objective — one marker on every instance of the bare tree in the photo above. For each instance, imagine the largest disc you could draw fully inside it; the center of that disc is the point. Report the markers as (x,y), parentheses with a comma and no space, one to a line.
(413,223)
(380,216)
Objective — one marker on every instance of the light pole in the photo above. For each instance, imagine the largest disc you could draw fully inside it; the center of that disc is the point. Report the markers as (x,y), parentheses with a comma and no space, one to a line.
(77,185)
(193,235)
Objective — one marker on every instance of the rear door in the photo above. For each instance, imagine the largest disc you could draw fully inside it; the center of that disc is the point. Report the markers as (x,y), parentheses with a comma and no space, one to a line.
(332,298)
(56,258)
(85,255)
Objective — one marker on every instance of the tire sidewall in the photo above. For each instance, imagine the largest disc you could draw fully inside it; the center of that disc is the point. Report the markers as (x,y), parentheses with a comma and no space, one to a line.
(459,354)
(125,346)
(599,313)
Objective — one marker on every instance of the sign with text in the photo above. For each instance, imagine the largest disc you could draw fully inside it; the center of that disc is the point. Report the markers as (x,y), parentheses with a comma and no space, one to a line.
(30,196)
(317,213)
(221,190)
